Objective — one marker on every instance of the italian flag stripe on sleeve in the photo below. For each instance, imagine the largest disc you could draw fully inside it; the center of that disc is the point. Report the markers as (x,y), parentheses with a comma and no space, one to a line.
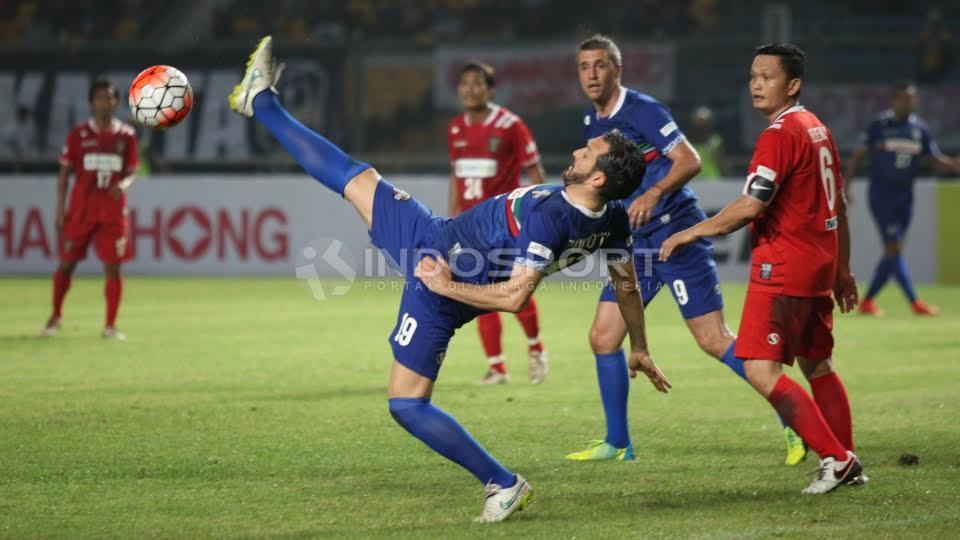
(513,215)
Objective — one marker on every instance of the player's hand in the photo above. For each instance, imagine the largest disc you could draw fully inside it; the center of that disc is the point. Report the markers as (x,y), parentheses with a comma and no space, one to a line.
(675,242)
(845,291)
(435,274)
(116,192)
(641,209)
(640,362)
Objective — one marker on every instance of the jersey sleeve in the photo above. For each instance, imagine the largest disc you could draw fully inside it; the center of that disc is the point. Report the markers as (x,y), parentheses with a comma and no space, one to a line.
(527,152)
(450,152)
(131,157)
(930,146)
(71,150)
(770,166)
(540,241)
(655,123)
(870,136)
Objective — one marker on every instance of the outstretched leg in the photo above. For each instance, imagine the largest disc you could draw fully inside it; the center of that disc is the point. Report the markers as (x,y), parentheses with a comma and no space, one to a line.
(255,97)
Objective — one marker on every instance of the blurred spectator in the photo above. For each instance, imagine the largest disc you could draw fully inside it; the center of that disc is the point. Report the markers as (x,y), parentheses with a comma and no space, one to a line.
(708,143)
(20,136)
(934,49)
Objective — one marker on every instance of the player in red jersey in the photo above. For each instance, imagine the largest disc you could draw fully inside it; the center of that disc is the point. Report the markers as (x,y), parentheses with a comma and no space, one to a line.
(102,154)
(489,146)
(795,205)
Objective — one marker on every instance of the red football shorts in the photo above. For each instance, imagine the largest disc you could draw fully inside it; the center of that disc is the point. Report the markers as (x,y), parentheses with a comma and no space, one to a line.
(110,240)
(777,327)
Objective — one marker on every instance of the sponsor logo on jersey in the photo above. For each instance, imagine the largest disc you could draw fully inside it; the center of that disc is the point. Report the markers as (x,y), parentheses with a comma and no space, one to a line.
(766,270)
(493,143)
(102,162)
(773,338)
(817,134)
(664,219)
(88,142)
(460,144)
(400,194)
(455,130)
(766,172)
(586,120)
(540,193)
(668,129)
(455,250)
(540,250)
(831,223)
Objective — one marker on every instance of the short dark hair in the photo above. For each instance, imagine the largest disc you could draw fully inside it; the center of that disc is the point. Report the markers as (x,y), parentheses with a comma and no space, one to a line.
(623,165)
(101,83)
(601,42)
(792,58)
(484,69)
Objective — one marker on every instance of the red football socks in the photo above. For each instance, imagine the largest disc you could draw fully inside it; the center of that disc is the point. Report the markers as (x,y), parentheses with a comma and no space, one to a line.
(112,290)
(802,414)
(61,284)
(491,330)
(831,398)
(530,320)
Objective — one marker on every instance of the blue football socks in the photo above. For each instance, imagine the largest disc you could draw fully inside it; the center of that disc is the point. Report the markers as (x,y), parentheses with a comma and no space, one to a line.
(319,157)
(902,273)
(880,276)
(614,382)
(444,435)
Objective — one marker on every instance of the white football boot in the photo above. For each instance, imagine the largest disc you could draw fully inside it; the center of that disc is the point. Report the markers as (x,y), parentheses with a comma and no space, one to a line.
(111,332)
(537,365)
(262,73)
(495,377)
(502,502)
(832,474)
(51,328)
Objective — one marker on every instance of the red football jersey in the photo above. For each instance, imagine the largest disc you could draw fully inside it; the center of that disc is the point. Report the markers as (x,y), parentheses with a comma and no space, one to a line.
(99,159)
(795,238)
(487,158)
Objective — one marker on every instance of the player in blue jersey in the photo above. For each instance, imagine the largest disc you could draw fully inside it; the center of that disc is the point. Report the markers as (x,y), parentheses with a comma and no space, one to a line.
(660,207)
(489,258)
(896,142)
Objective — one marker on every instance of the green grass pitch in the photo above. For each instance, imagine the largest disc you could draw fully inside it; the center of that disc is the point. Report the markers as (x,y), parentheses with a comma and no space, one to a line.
(246,408)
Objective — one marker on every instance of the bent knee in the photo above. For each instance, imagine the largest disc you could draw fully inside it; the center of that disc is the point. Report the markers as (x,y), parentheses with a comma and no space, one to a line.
(815,368)
(604,340)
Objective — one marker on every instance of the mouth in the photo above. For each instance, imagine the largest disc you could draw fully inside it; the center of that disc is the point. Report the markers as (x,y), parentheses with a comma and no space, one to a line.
(756,97)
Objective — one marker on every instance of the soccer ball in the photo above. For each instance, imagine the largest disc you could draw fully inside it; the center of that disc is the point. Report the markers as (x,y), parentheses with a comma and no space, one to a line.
(160,97)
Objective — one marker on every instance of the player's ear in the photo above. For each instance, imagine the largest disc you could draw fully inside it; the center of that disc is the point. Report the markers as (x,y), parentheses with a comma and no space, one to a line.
(597,179)
(793,87)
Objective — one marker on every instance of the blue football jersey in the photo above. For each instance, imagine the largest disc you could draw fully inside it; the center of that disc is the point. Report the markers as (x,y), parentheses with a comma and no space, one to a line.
(895,148)
(648,123)
(536,226)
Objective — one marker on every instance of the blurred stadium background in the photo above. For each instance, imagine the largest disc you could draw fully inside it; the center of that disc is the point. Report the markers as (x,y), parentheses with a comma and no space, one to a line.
(378,77)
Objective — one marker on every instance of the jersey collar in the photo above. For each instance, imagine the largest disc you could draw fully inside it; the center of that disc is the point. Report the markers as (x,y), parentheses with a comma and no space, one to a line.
(796,108)
(583,209)
(114,125)
(494,109)
(620,100)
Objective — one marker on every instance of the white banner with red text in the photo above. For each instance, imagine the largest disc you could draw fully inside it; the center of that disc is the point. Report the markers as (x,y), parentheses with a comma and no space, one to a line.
(290,225)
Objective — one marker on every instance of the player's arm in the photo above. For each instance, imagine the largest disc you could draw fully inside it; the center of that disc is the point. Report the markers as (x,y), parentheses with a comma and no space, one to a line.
(623,278)
(131,160)
(735,216)
(857,158)
(454,197)
(661,130)
(511,295)
(535,173)
(845,285)
(63,180)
